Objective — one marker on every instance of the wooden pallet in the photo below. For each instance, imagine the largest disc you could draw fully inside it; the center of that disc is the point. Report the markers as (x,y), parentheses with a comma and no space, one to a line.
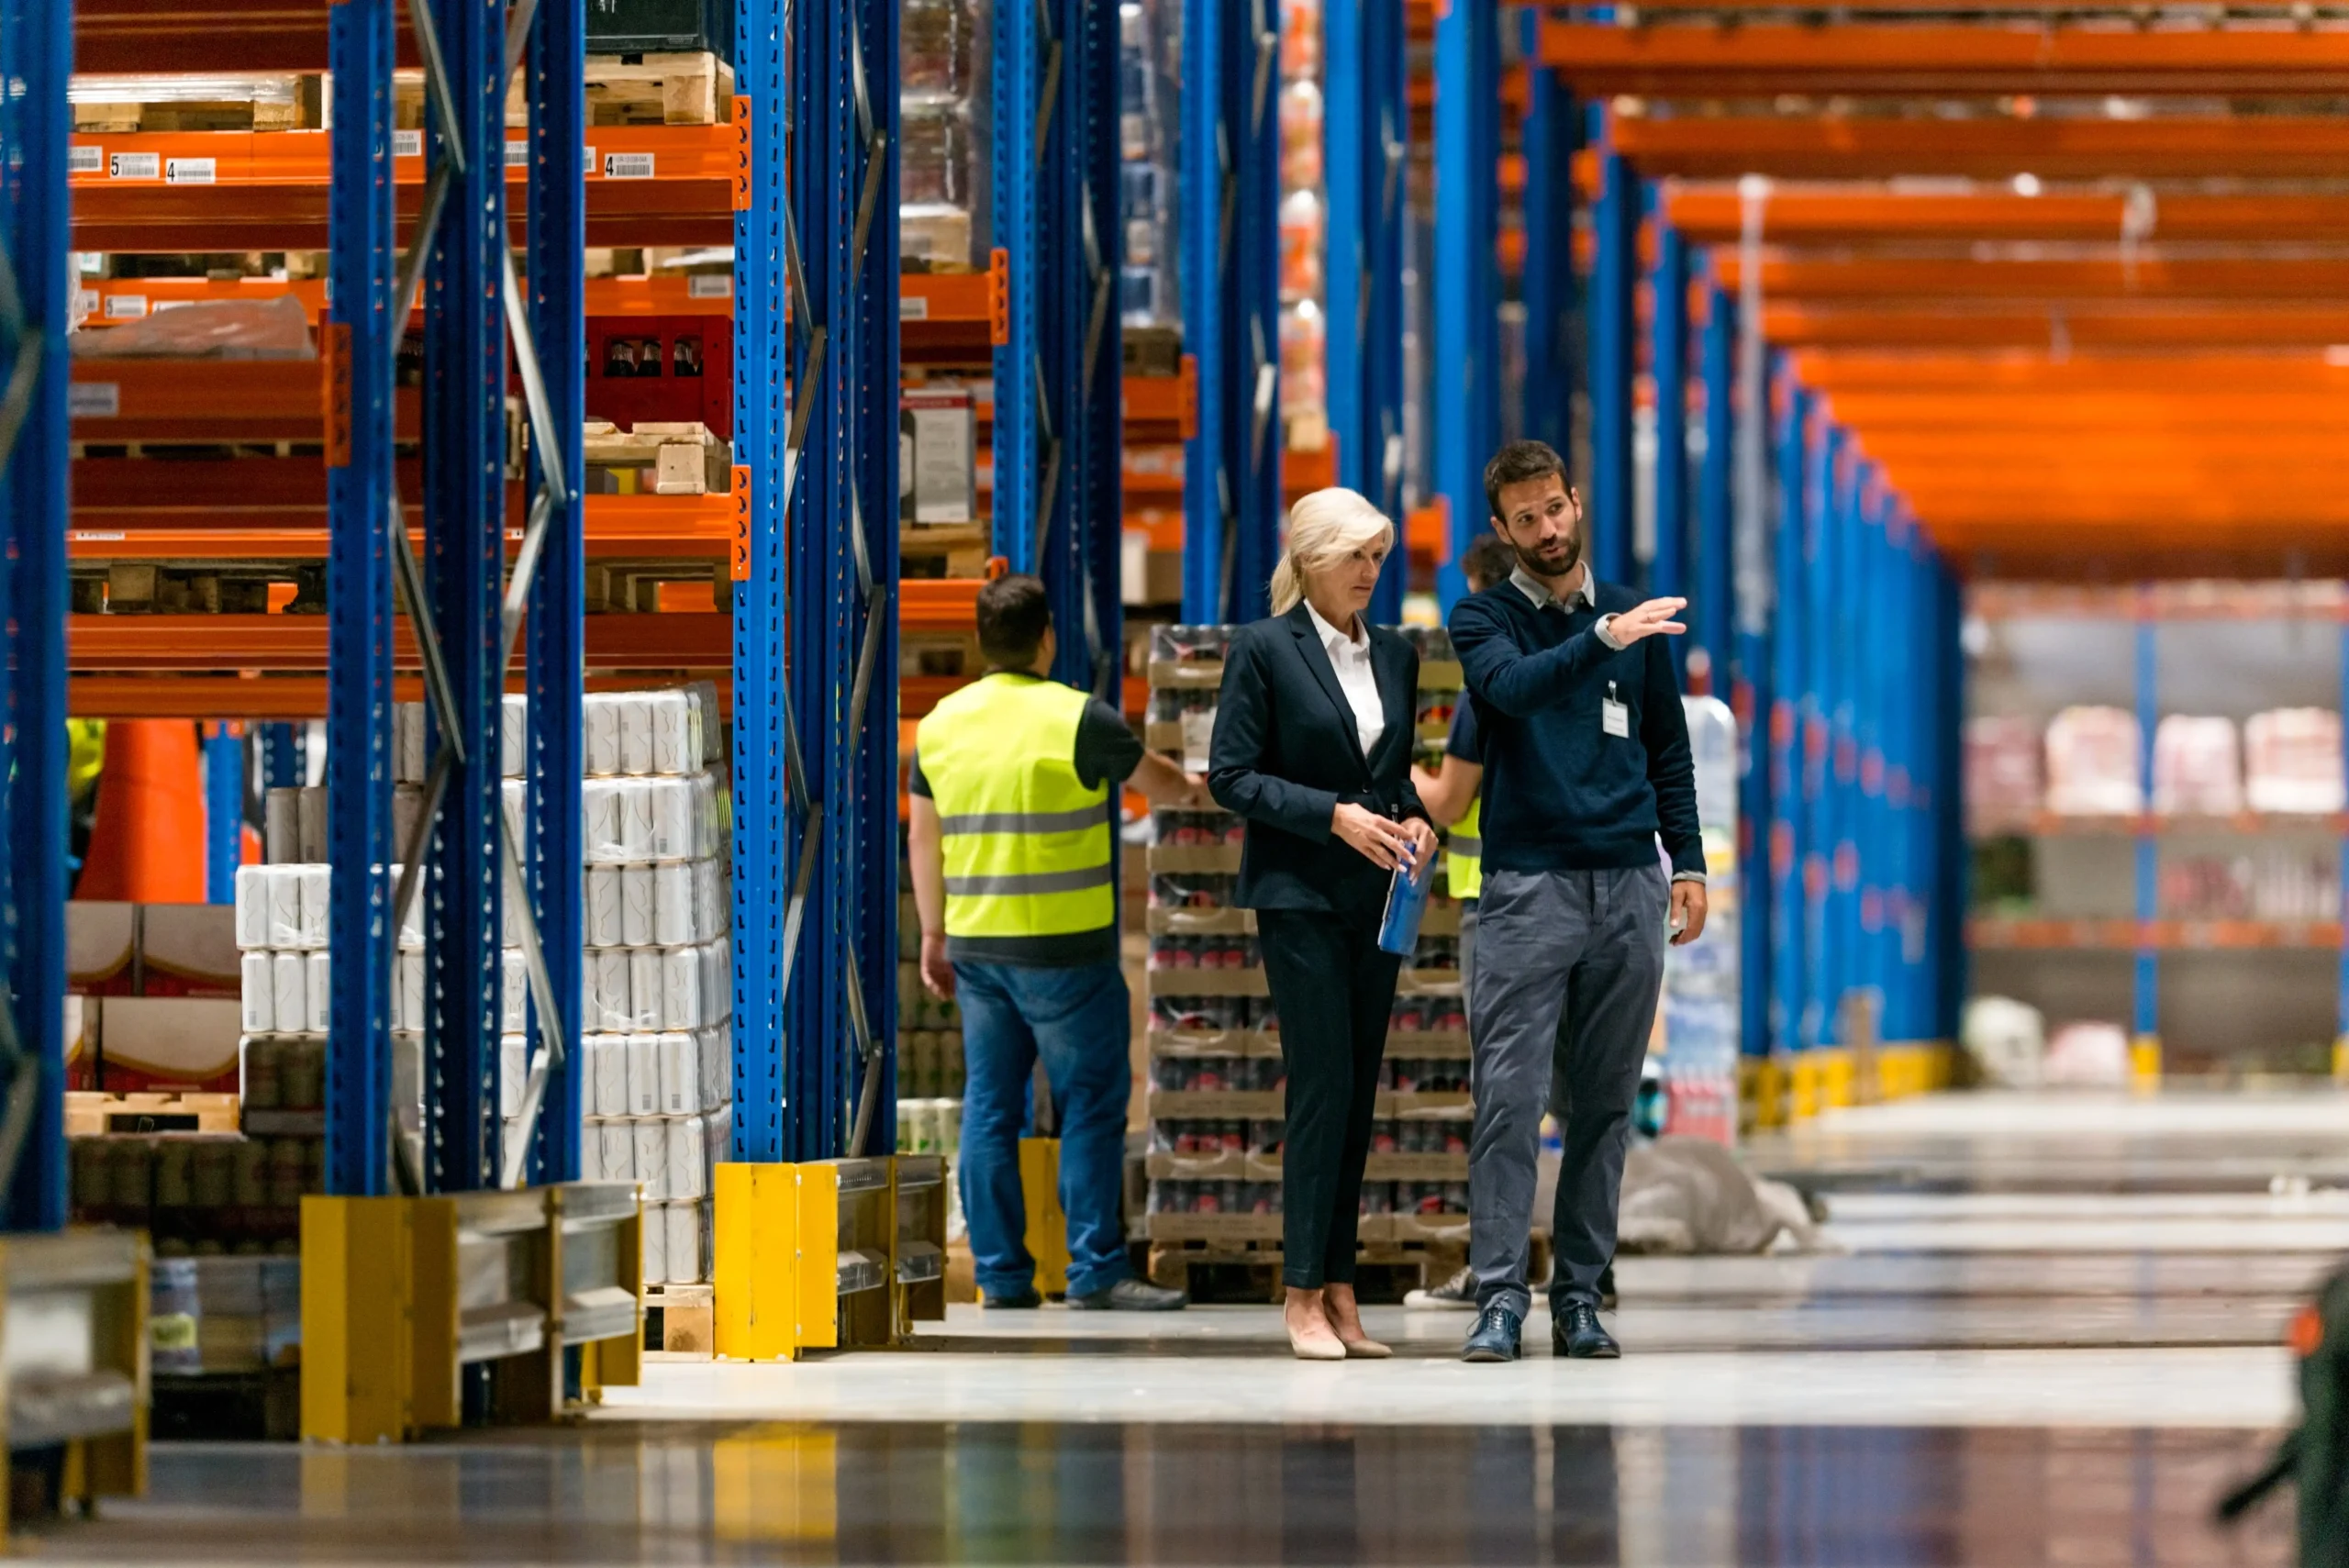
(1252,1271)
(682,1319)
(954,550)
(660,89)
(646,89)
(263,101)
(91,1115)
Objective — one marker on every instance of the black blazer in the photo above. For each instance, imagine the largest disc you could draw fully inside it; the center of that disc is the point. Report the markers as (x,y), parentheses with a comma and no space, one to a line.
(1286,752)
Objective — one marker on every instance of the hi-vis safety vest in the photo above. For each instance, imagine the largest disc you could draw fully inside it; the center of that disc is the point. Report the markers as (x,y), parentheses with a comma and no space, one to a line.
(1027,843)
(1464,854)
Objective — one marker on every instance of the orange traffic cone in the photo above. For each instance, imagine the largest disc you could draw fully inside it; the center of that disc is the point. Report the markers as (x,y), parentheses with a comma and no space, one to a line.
(146,841)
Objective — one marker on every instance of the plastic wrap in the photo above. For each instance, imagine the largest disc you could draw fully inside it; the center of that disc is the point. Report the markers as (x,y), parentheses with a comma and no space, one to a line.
(2092,763)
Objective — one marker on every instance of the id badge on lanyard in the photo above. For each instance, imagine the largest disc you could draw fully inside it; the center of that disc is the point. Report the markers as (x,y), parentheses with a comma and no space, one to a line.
(1614,718)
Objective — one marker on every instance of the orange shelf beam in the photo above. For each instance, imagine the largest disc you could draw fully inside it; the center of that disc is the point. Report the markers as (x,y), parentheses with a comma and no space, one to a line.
(267,189)
(618,528)
(673,641)
(2086,326)
(939,604)
(1859,215)
(2276,146)
(950,316)
(1762,60)
(2016,281)
(273,696)
(2187,379)
(122,37)
(125,400)
(2167,936)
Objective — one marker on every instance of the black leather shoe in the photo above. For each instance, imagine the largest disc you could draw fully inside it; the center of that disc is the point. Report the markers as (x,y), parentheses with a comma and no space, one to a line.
(1495,1338)
(1017,1299)
(1131,1295)
(1576,1332)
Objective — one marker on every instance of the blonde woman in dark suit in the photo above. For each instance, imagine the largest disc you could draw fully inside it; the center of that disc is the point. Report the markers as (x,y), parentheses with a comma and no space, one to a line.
(1312,746)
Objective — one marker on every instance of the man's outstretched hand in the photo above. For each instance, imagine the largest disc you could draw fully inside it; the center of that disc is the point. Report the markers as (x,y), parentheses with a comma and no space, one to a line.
(1648,620)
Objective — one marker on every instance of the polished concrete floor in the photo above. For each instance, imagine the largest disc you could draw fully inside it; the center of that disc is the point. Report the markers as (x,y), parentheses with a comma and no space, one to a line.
(2049,1333)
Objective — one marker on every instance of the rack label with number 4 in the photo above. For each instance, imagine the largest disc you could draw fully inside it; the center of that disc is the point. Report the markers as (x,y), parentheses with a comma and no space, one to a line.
(191,170)
(627,165)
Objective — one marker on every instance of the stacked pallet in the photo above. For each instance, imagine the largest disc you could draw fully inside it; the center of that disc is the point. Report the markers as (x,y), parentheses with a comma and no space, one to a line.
(1217,1087)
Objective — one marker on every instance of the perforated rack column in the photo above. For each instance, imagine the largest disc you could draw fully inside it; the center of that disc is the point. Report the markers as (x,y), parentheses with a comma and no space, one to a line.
(1464,413)
(815,843)
(361,336)
(35,58)
(1056,379)
(1231,180)
(553,855)
(1366,136)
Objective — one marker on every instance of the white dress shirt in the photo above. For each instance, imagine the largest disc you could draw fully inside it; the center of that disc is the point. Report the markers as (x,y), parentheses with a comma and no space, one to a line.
(1351,659)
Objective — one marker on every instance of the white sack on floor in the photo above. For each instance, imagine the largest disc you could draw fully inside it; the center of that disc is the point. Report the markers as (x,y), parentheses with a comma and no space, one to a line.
(2007,1040)
(1691,1196)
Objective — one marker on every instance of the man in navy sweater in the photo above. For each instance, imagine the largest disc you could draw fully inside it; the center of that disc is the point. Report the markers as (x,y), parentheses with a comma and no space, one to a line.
(1586,766)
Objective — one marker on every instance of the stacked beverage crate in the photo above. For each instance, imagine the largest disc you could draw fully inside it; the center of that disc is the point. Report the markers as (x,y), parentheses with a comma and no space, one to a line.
(657,975)
(1217,1078)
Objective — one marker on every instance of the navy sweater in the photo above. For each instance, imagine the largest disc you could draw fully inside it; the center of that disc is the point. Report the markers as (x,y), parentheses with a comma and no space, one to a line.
(1560,793)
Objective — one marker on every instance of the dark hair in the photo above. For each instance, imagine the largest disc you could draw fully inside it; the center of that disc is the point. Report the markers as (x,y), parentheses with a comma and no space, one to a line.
(1013,618)
(1518,462)
(1488,561)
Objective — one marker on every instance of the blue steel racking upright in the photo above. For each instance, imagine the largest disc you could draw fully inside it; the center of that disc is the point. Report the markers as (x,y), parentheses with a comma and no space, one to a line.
(1230,184)
(815,599)
(1057,396)
(1366,133)
(36,58)
(1463,406)
(467,612)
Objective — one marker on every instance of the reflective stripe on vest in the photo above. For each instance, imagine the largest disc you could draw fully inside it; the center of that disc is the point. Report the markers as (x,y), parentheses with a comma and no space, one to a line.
(1026,843)
(1464,854)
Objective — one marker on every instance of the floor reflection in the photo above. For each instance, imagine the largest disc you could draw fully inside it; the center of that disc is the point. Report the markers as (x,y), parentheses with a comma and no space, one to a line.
(1051,1493)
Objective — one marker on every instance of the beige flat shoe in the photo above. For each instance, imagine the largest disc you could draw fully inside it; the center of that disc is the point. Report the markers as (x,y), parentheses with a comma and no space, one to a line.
(1317,1345)
(1365,1349)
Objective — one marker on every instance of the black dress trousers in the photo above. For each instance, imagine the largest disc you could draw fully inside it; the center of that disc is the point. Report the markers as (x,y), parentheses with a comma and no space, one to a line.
(1334,991)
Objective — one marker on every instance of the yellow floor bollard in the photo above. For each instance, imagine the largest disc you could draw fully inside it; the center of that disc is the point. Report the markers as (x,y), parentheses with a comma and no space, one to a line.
(1040,1182)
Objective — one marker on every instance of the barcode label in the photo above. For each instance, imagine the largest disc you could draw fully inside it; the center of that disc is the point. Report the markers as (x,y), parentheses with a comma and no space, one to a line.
(627,166)
(409,144)
(93,399)
(135,166)
(126,306)
(85,161)
(86,302)
(709,285)
(518,155)
(95,536)
(190,170)
(913,307)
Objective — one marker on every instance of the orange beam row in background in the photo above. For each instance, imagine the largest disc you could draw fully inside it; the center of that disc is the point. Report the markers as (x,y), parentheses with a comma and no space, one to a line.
(1858,214)
(1990,146)
(1849,59)
(2014,281)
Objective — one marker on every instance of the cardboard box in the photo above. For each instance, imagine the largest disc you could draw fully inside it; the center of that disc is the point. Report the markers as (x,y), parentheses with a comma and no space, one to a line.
(937,457)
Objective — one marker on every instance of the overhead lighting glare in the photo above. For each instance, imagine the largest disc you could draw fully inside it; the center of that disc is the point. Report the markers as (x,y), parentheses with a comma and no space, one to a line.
(2026,185)
(2337,354)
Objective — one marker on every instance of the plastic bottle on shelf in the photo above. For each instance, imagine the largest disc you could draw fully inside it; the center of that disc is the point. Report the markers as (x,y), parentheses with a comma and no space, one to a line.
(1303,226)
(1300,108)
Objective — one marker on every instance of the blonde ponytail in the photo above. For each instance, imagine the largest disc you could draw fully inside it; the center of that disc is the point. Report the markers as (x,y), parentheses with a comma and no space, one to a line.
(1322,527)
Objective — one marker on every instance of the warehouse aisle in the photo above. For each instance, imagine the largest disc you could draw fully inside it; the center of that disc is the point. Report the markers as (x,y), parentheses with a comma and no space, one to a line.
(2051,1336)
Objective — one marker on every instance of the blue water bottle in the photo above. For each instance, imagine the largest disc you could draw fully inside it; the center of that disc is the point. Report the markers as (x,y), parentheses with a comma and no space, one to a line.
(1407,901)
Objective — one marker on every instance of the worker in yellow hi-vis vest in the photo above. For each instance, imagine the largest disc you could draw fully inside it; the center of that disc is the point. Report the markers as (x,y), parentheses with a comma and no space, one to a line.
(1013,810)
(1453,792)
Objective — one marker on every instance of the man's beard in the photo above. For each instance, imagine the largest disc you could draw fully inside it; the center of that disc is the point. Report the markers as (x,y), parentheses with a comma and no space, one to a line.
(1558,566)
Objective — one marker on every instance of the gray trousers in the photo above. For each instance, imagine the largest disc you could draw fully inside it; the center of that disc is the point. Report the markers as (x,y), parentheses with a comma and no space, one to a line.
(1566,977)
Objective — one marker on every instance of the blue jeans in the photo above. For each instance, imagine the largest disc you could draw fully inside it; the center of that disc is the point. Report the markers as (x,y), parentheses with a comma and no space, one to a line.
(1078,1021)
